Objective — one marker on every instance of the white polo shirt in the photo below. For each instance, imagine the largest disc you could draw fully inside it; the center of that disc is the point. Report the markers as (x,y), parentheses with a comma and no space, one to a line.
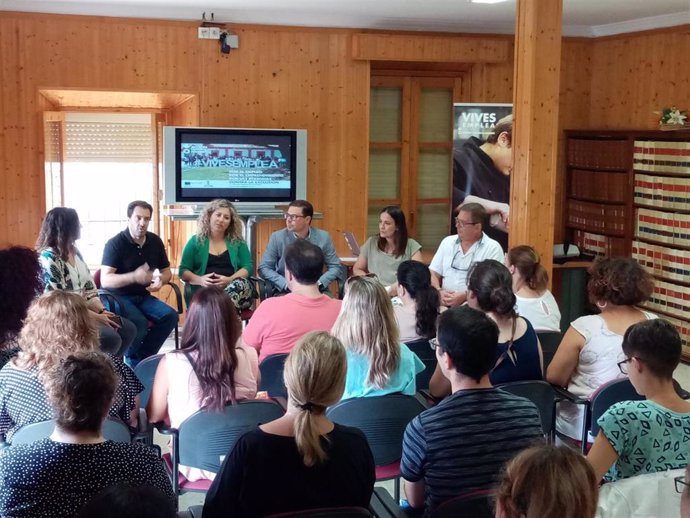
(452,264)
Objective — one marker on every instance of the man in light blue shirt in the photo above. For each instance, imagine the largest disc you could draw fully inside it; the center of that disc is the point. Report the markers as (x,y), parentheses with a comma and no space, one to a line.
(298,226)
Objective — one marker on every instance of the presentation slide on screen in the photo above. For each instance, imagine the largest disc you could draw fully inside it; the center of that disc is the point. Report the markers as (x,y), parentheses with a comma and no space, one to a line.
(237,169)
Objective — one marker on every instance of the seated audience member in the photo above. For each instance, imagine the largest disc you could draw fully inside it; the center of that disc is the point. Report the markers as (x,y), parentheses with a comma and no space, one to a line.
(461,444)
(57,324)
(651,435)
(210,370)
(135,265)
(547,482)
(684,485)
(420,302)
(279,322)
(377,363)
(306,460)
(54,477)
(218,255)
(519,355)
(591,348)
(382,254)
(297,227)
(64,269)
(20,283)
(530,285)
(457,253)
(125,500)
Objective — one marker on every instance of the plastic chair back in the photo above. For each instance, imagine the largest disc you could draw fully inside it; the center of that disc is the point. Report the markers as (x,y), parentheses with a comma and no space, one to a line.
(549,340)
(609,394)
(113,430)
(271,369)
(205,436)
(542,395)
(428,356)
(382,419)
(146,372)
(477,504)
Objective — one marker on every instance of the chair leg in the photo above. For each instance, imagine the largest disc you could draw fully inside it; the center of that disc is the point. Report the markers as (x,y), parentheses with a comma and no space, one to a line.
(177,337)
(396,489)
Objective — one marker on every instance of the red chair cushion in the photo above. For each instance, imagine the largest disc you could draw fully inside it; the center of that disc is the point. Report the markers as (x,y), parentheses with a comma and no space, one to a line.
(388,471)
(183,483)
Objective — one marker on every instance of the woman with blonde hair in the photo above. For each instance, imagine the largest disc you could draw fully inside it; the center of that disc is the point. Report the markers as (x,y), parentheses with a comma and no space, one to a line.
(218,255)
(547,482)
(58,323)
(530,285)
(377,362)
(210,370)
(307,460)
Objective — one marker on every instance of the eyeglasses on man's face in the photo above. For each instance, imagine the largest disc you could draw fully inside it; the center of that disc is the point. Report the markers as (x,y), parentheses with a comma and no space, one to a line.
(681,483)
(462,224)
(623,365)
(292,217)
(434,343)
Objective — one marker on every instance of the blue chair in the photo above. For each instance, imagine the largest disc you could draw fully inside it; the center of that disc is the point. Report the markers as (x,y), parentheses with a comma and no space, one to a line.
(428,356)
(113,430)
(543,396)
(205,437)
(271,369)
(146,372)
(383,420)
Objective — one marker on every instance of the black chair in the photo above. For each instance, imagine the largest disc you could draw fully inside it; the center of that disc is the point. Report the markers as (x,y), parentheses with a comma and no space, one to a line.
(476,504)
(609,393)
(146,372)
(543,396)
(549,340)
(271,369)
(383,420)
(428,356)
(205,437)
(113,430)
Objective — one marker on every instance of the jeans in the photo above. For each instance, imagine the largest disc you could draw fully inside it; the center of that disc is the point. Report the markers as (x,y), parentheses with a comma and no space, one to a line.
(142,309)
(117,341)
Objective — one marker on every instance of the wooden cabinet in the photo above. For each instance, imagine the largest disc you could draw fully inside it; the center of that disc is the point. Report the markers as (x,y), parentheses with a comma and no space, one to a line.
(628,193)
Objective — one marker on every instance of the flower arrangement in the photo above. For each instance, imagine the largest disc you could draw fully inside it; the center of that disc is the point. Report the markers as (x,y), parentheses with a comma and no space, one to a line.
(672,117)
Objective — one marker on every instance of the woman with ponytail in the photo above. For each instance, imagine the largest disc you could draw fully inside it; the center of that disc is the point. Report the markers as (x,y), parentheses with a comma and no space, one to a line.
(530,281)
(519,356)
(420,302)
(302,459)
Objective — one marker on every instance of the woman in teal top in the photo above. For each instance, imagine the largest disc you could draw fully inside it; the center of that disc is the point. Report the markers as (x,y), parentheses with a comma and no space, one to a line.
(218,256)
(377,363)
(638,437)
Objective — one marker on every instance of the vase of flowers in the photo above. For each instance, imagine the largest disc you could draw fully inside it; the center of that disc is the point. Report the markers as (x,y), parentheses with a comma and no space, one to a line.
(673,119)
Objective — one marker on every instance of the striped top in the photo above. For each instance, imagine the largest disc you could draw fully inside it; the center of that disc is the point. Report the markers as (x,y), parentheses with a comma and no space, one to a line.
(461,444)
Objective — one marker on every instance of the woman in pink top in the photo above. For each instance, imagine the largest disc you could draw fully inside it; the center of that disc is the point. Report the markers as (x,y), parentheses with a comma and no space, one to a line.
(210,370)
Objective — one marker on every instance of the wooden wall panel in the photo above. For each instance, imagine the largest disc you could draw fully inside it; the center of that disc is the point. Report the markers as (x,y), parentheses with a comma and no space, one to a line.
(636,74)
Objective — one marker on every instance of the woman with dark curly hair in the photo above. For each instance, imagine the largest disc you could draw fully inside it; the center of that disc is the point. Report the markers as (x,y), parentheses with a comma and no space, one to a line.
(20,283)
(591,348)
(218,255)
(64,269)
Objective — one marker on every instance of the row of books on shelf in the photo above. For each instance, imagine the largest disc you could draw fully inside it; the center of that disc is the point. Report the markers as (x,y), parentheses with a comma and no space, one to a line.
(663,192)
(670,298)
(663,261)
(665,227)
(662,157)
(598,154)
(599,185)
(596,217)
(596,244)
(682,326)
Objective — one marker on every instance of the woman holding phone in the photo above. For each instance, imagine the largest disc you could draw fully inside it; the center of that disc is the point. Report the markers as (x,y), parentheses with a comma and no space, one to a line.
(218,256)
(64,268)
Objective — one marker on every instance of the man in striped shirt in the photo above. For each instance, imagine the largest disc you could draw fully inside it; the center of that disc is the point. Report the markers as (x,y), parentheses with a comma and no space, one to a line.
(461,444)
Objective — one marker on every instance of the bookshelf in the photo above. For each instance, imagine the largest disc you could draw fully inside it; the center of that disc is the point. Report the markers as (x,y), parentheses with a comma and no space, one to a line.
(628,193)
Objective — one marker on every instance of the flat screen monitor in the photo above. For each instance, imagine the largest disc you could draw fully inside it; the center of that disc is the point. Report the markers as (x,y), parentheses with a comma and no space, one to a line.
(252,167)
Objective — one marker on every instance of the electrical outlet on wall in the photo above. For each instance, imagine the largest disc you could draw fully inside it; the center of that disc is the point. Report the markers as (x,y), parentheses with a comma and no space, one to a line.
(214,33)
(204,33)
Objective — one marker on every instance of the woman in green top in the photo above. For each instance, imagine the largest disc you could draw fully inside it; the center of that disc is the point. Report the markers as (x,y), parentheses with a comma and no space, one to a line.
(218,256)
(638,437)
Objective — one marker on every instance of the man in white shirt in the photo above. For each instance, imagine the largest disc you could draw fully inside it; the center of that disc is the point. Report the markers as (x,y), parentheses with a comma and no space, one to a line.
(457,253)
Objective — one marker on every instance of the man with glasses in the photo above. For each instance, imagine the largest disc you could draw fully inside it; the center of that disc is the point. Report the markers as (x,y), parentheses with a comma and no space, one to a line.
(298,226)
(683,487)
(461,444)
(457,253)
